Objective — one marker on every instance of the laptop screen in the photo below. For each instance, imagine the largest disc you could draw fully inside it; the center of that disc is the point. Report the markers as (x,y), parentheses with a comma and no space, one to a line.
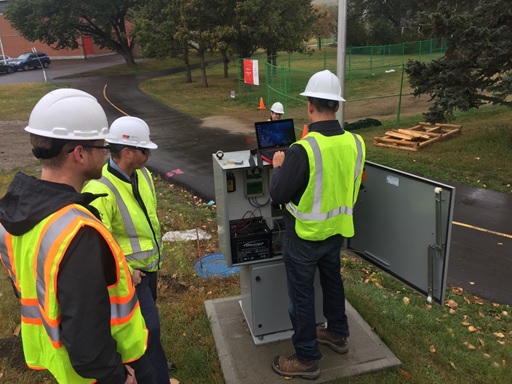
(278,133)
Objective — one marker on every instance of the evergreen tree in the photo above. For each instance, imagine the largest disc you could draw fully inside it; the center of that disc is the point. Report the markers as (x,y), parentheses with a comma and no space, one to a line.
(476,68)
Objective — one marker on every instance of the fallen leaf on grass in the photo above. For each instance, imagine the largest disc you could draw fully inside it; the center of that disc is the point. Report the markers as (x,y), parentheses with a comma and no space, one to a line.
(451,304)
(487,356)
(406,375)
(478,300)
(432,349)
(458,290)
(499,334)
(174,381)
(482,344)
(472,329)
(470,346)
(406,300)
(453,365)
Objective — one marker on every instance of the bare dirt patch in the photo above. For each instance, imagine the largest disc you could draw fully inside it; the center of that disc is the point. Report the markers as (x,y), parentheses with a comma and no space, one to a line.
(380,109)
(229,123)
(15,148)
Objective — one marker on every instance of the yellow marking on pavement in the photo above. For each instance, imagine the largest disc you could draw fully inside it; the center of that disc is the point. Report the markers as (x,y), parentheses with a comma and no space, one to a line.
(111,103)
(482,229)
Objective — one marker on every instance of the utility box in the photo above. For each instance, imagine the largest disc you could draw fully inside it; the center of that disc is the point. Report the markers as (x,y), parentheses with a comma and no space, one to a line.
(250,232)
(243,201)
(265,301)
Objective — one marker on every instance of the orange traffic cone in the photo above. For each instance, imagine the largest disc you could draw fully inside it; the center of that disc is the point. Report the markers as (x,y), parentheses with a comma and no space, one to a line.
(262,105)
(304,131)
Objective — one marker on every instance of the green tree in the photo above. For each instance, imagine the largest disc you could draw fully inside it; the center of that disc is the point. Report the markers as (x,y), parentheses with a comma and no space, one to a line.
(62,22)
(157,23)
(327,22)
(186,25)
(477,66)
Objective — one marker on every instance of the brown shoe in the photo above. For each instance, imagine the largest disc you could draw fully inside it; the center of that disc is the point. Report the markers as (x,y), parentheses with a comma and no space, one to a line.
(337,343)
(292,366)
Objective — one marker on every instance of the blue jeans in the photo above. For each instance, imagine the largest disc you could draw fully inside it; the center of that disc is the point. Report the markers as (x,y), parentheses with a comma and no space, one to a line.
(146,292)
(301,259)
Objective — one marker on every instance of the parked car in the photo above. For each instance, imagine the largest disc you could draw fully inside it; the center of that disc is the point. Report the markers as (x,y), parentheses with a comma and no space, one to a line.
(4,59)
(6,67)
(30,60)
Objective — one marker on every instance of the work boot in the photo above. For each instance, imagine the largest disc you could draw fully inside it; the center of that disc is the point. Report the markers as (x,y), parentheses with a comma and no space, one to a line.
(292,366)
(336,343)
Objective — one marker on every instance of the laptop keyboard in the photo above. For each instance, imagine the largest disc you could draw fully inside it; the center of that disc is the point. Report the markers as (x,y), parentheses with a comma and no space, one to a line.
(269,153)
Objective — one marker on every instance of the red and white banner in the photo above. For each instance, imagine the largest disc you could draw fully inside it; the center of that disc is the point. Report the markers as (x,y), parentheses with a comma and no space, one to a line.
(251,73)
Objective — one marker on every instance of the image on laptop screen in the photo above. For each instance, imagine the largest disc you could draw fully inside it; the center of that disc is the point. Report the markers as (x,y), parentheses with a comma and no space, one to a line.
(272,134)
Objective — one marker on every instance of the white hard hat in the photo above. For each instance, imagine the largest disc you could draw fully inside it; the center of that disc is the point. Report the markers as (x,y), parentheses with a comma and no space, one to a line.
(324,85)
(277,107)
(68,114)
(132,131)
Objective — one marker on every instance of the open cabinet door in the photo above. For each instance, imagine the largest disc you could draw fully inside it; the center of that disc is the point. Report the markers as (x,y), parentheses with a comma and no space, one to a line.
(403,226)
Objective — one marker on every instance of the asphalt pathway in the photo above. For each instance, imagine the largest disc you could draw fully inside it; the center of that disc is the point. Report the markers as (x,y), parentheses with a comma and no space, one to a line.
(480,258)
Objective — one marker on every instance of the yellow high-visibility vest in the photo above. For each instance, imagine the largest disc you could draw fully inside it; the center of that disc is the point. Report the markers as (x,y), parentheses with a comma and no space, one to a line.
(335,171)
(124,217)
(33,262)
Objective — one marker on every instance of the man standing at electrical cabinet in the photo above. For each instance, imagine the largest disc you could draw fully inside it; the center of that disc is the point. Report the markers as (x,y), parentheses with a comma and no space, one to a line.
(318,182)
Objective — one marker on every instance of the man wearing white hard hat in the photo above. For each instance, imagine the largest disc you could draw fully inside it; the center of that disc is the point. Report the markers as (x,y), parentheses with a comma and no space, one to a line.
(81,319)
(276,111)
(318,183)
(129,210)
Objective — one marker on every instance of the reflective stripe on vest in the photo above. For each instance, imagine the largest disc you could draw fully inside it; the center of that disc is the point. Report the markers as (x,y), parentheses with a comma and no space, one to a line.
(317,214)
(40,310)
(7,256)
(138,254)
(119,311)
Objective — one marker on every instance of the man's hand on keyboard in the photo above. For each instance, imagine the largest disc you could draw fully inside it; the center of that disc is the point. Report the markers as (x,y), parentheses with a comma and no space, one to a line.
(278,159)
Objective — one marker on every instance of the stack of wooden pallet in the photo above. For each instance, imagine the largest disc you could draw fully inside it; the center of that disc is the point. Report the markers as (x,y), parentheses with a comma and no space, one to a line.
(417,137)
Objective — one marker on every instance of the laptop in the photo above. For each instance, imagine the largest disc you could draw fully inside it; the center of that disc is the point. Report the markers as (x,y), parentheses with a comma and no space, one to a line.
(273,136)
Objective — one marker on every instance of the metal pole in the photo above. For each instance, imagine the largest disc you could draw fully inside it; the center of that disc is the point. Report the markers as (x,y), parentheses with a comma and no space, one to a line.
(34,50)
(2,49)
(341,54)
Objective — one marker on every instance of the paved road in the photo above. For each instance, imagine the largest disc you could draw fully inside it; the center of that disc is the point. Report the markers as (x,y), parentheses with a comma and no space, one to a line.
(481,249)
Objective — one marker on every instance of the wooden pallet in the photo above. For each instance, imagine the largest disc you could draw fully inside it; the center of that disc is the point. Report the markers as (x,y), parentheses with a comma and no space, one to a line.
(417,137)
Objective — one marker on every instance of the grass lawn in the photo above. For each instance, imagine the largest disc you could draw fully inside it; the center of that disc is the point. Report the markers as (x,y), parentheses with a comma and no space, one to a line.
(466,340)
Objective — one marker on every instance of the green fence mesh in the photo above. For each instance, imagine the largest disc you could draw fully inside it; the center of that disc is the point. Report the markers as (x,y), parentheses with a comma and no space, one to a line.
(371,73)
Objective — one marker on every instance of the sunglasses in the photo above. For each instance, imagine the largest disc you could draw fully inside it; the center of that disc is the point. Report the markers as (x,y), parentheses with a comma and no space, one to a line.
(144,151)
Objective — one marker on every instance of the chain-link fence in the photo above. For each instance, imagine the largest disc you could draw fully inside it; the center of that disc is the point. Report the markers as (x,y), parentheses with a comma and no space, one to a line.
(372,74)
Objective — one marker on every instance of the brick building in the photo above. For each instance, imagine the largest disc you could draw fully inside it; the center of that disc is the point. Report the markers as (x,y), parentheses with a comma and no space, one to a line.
(14,44)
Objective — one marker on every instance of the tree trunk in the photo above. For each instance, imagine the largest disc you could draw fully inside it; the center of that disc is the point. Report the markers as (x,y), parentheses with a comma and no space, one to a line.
(188,72)
(203,67)
(128,57)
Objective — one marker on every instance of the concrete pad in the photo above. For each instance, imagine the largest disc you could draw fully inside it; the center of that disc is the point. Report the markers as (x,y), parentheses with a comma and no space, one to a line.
(243,361)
